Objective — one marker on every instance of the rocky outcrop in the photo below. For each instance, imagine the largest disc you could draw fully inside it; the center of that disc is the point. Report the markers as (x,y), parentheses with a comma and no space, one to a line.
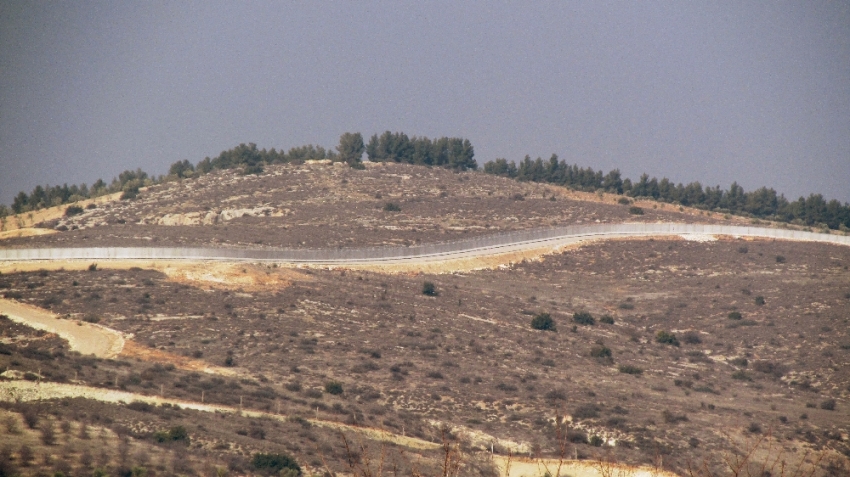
(212,217)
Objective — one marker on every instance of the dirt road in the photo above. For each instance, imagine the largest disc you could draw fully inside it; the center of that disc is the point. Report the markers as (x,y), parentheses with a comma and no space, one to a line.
(86,338)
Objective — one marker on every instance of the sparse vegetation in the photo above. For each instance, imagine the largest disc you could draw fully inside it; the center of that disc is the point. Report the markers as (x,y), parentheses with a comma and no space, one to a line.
(543,322)
(665,337)
(406,360)
(583,318)
(630,369)
(73,210)
(276,464)
(428,288)
(392,207)
(334,388)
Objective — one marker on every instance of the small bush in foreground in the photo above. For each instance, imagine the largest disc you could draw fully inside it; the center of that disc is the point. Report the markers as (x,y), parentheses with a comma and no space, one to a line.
(734,315)
(665,337)
(600,352)
(607,319)
(692,337)
(428,288)
(583,318)
(635,210)
(175,434)
(89,318)
(333,387)
(741,375)
(543,322)
(279,464)
(73,210)
(760,300)
(829,405)
(629,369)
(391,207)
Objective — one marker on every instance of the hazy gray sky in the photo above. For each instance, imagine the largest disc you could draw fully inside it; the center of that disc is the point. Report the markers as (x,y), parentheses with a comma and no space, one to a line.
(757,92)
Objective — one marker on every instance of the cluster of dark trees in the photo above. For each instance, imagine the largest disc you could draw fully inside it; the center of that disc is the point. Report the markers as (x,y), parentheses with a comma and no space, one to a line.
(762,203)
(398,147)
(458,153)
(451,152)
(47,196)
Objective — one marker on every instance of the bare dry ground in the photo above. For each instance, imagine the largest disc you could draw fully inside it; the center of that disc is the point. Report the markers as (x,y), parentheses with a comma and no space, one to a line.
(319,205)
(468,357)
(761,326)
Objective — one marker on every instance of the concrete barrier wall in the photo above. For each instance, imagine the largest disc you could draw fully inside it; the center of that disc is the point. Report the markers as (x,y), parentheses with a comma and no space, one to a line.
(501,242)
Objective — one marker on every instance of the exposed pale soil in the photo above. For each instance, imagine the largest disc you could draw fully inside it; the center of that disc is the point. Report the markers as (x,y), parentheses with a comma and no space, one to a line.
(327,323)
(85,338)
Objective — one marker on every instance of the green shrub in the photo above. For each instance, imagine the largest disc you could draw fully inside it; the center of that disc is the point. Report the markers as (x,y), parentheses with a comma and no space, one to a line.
(391,207)
(252,169)
(635,210)
(692,337)
(760,300)
(175,434)
(829,404)
(607,319)
(73,210)
(429,289)
(275,464)
(624,201)
(734,315)
(600,351)
(596,441)
(130,194)
(740,362)
(140,406)
(741,375)
(583,318)
(665,337)
(93,267)
(90,318)
(780,259)
(333,387)
(629,369)
(543,322)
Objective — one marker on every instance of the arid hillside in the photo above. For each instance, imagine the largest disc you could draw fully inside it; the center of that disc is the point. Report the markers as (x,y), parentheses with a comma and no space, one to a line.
(681,355)
(319,204)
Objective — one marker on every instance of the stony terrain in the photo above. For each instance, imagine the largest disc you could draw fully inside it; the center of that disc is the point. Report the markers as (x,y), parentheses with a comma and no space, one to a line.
(755,341)
(318,205)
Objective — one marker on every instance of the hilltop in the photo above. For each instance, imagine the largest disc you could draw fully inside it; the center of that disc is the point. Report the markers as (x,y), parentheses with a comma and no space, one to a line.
(321,204)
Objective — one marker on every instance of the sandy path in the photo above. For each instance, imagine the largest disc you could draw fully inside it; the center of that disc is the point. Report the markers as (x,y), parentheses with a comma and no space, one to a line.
(86,338)
(23,391)
(523,467)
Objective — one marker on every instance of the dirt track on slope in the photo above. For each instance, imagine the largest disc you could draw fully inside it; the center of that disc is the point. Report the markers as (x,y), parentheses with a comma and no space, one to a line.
(86,338)
(21,391)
